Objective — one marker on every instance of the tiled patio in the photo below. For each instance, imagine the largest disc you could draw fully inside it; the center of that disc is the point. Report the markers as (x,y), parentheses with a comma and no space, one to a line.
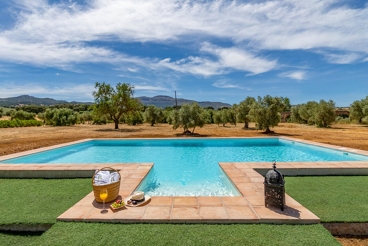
(247,177)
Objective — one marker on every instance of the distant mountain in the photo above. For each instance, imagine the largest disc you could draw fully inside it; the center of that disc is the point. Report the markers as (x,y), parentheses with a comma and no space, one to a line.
(28,100)
(158,101)
(166,101)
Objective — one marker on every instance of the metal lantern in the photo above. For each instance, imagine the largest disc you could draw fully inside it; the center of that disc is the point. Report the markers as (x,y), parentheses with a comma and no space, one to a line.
(274,188)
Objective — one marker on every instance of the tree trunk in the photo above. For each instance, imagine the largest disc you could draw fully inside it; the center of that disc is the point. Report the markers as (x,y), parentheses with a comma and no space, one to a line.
(246,125)
(152,122)
(267,130)
(116,124)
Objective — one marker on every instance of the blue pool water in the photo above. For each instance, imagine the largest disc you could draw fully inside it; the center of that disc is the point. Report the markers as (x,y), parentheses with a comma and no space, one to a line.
(187,167)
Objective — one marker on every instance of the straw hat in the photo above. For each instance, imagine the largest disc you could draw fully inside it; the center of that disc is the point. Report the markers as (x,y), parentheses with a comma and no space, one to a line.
(138,198)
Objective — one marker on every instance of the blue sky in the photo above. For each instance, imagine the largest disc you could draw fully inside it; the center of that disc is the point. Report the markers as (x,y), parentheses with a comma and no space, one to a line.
(205,50)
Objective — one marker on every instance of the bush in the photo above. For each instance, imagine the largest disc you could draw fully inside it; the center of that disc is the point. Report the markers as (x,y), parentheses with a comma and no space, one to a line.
(60,117)
(19,123)
(342,120)
(22,115)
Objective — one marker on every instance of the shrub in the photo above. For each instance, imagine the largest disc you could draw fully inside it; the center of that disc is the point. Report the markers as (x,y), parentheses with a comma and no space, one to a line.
(60,117)
(342,120)
(22,115)
(19,123)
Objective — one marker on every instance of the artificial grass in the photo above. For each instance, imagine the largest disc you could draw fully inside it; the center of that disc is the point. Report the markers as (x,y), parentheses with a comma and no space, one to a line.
(332,198)
(67,233)
(18,238)
(34,201)
(39,201)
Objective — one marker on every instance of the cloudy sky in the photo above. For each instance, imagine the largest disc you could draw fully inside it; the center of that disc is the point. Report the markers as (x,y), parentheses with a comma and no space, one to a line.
(203,49)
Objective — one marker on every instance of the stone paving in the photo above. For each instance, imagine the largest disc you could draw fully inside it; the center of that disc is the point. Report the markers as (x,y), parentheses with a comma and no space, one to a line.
(247,177)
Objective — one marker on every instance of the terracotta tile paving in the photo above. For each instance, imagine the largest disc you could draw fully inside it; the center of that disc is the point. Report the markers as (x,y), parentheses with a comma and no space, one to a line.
(247,208)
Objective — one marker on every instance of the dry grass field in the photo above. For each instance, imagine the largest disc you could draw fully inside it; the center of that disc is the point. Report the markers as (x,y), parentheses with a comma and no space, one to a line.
(14,140)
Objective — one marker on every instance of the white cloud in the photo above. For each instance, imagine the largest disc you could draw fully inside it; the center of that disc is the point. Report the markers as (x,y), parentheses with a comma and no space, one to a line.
(59,35)
(342,58)
(133,70)
(240,59)
(271,24)
(150,88)
(296,75)
(224,84)
(225,61)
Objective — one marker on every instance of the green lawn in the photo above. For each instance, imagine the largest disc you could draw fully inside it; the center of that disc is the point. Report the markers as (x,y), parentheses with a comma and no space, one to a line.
(39,201)
(18,238)
(63,233)
(332,198)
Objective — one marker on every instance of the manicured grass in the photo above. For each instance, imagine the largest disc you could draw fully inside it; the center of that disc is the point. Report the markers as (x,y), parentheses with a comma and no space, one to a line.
(33,201)
(18,238)
(332,198)
(63,233)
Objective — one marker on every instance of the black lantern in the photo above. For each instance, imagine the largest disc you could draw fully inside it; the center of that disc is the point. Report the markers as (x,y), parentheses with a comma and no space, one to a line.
(274,188)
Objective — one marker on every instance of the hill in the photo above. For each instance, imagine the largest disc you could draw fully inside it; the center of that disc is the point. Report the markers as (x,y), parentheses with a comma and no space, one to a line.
(166,101)
(158,101)
(28,100)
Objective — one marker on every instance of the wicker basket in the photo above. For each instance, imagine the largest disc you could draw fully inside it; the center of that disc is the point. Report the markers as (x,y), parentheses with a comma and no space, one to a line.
(112,189)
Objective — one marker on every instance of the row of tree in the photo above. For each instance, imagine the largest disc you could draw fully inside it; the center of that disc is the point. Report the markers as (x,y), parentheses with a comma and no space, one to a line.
(117,104)
(265,112)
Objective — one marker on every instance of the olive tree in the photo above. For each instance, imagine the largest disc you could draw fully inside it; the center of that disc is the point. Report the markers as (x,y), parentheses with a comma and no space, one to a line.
(153,114)
(243,111)
(60,117)
(217,117)
(114,102)
(324,114)
(228,115)
(295,115)
(321,114)
(189,116)
(359,110)
(307,112)
(266,112)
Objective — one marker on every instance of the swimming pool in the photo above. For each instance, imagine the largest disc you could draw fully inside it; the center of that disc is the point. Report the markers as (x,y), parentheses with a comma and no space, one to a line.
(187,167)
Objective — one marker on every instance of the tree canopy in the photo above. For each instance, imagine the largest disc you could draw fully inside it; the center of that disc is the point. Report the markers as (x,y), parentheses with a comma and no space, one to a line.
(189,116)
(266,112)
(153,114)
(359,110)
(321,114)
(243,110)
(114,102)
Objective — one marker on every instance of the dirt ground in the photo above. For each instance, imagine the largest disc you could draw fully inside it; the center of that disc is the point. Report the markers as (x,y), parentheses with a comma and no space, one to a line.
(13,140)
